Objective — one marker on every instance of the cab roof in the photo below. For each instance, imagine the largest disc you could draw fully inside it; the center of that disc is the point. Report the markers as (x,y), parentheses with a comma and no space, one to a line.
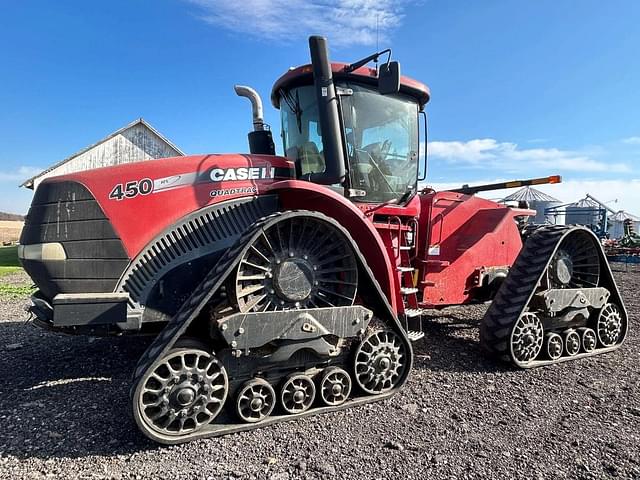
(303,75)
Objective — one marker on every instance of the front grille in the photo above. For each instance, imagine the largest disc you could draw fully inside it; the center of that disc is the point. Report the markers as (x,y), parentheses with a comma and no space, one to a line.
(66,212)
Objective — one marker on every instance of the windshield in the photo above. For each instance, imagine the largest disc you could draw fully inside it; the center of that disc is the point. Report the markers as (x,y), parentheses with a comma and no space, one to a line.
(381,134)
(301,129)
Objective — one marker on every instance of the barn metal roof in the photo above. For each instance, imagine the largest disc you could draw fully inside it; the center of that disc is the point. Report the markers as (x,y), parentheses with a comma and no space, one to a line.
(528,194)
(140,121)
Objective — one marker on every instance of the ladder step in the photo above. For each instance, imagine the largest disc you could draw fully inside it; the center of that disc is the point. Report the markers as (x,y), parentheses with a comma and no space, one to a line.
(408,290)
(405,247)
(413,312)
(405,269)
(414,335)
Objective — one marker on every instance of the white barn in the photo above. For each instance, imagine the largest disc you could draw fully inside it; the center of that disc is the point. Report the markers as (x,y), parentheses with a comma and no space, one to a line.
(132,143)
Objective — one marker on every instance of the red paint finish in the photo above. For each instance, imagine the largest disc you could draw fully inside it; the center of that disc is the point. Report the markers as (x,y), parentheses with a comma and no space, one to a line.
(181,185)
(464,234)
(303,75)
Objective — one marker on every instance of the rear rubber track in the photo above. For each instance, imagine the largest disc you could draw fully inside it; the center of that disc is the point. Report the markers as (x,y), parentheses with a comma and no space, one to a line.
(521,284)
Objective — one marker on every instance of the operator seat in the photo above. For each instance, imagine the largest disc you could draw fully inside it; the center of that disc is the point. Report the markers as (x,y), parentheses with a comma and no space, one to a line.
(307,158)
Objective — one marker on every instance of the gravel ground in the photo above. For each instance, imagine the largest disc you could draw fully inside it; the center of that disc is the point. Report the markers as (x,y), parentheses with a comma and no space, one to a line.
(64,413)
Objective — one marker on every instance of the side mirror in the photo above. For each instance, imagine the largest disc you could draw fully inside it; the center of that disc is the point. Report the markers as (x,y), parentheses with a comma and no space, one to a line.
(389,78)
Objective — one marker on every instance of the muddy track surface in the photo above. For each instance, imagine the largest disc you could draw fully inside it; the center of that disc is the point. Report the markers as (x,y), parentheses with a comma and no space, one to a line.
(64,413)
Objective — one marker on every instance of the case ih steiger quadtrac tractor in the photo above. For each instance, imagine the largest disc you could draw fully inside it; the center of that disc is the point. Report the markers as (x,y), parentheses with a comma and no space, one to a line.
(278,287)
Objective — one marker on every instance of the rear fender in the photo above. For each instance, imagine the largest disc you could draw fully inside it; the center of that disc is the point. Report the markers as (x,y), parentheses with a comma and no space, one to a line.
(299,195)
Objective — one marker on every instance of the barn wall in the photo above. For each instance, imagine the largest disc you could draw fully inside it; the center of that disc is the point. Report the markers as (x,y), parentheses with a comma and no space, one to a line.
(134,144)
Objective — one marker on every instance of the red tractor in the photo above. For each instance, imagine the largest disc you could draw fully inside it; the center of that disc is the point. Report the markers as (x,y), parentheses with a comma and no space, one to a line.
(278,287)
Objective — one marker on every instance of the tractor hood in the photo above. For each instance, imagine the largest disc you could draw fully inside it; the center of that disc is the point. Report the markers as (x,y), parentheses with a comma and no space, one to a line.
(158,192)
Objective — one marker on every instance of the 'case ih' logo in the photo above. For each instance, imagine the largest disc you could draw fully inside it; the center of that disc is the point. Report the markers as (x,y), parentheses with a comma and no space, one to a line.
(242,173)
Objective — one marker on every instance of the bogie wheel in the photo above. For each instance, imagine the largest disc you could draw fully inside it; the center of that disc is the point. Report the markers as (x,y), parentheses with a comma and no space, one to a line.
(571,342)
(298,393)
(184,392)
(255,400)
(335,386)
(380,362)
(554,346)
(576,264)
(526,339)
(609,325)
(299,262)
(589,339)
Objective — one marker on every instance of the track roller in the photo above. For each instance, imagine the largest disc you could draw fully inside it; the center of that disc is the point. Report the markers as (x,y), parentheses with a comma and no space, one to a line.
(554,346)
(588,338)
(571,342)
(297,394)
(255,400)
(335,386)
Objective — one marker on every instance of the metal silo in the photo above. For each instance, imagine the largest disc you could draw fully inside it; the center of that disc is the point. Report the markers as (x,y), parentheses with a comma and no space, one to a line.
(584,212)
(617,221)
(540,202)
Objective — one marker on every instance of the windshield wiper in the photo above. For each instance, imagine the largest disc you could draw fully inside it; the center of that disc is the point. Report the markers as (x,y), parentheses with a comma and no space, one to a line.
(294,106)
(394,201)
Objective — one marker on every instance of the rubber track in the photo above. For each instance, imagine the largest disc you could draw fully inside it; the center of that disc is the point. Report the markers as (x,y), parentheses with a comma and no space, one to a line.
(190,309)
(520,285)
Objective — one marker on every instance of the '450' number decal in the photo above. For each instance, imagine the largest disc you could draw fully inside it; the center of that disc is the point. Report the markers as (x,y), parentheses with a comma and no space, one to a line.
(131,189)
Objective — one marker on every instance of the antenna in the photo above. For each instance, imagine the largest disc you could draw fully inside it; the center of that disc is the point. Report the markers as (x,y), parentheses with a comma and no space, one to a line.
(377,38)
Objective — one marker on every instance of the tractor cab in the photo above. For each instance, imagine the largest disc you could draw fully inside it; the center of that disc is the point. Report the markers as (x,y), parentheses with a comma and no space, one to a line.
(353,128)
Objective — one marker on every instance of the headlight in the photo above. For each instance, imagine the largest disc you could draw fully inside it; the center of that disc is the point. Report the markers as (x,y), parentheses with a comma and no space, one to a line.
(42,251)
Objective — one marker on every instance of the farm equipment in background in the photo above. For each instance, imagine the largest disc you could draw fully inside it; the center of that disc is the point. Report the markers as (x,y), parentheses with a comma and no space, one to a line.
(278,287)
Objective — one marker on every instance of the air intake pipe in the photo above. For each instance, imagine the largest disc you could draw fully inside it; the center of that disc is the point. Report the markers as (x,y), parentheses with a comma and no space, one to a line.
(260,139)
(328,115)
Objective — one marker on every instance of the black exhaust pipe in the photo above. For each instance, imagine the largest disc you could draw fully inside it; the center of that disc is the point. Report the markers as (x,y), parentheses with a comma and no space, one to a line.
(329,116)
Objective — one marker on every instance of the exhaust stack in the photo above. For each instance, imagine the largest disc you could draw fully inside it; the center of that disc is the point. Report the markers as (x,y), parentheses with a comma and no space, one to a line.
(328,114)
(260,139)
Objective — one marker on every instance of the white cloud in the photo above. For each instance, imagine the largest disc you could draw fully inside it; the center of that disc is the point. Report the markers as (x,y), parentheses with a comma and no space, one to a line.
(344,22)
(488,152)
(20,174)
(618,194)
(631,140)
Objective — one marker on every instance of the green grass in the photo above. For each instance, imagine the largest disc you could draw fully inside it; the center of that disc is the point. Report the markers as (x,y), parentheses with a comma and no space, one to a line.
(9,264)
(9,257)
(12,292)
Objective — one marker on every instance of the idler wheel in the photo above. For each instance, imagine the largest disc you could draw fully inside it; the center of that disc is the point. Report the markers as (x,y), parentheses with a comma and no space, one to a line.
(380,362)
(527,337)
(298,393)
(184,392)
(335,386)
(554,346)
(609,325)
(589,339)
(255,400)
(571,342)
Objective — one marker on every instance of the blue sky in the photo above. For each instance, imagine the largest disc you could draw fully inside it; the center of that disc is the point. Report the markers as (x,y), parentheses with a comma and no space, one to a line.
(519,88)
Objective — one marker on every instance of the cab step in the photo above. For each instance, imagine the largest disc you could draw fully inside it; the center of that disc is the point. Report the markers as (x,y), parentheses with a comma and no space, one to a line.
(408,290)
(413,312)
(415,335)
(405,247)
(405,269)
